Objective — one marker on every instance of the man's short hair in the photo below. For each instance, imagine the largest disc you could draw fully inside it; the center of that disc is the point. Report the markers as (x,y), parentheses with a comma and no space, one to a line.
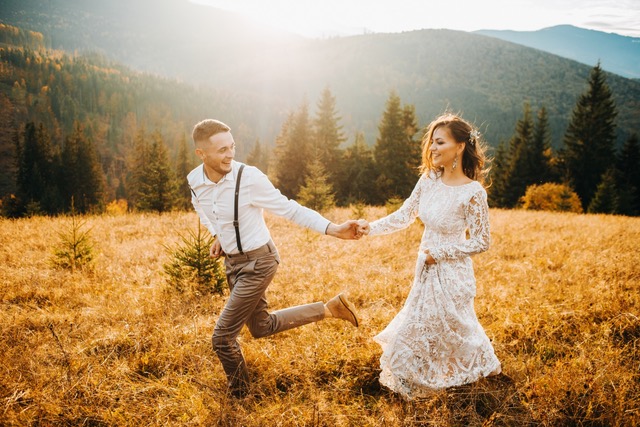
(206,129)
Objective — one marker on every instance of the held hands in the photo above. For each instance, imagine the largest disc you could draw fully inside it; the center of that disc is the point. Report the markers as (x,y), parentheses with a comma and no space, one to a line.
(363,227)
(349,230)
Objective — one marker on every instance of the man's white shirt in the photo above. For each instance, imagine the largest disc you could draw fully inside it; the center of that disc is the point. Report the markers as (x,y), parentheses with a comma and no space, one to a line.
(214,203)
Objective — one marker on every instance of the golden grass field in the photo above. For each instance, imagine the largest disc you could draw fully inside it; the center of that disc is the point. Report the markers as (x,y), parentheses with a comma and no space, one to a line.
(558,294)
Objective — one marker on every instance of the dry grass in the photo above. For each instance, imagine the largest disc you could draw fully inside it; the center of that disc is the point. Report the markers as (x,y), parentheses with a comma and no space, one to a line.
(559,295)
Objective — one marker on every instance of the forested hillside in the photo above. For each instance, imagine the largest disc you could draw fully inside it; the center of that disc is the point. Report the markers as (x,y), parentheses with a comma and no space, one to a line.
(83,131)
(487,79)
(113,105)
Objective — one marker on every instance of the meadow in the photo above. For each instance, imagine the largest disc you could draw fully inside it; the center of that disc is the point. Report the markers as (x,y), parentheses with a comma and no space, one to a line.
(115,345)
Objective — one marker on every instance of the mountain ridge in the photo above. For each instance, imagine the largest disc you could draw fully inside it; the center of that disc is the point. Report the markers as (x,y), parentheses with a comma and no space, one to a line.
(616,53)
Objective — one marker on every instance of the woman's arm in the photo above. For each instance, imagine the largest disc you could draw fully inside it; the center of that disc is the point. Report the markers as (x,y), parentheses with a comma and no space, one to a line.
(401,218)
(477,220)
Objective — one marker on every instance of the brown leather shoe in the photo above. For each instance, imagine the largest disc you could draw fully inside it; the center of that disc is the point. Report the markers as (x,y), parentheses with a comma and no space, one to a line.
(341,308)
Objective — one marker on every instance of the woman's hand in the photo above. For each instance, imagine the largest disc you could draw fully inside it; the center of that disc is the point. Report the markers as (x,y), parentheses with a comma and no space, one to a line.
(363,227)
(430,259)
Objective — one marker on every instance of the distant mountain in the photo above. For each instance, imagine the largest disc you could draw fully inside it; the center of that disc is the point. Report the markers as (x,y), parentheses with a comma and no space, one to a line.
(485,78)
(617,54)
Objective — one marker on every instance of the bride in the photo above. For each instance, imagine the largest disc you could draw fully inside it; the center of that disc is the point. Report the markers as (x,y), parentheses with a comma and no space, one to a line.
(436,341)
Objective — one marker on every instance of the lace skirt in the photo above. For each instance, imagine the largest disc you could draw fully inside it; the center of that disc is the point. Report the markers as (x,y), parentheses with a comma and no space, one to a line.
(436,341)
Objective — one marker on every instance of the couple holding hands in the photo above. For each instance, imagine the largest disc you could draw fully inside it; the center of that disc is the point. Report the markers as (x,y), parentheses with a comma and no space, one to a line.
(435,341)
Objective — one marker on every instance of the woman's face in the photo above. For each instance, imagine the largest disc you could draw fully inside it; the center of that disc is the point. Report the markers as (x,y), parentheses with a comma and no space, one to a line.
(444,148)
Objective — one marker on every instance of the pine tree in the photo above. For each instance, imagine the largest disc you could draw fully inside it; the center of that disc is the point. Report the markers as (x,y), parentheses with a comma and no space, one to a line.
(527,162)
(183,167)
(605,199)
(541,155)
(158,185)
(293,151)
(192,269)
(520,174)
(83,181)
(259,157)
(328,135)
(136,164)
(317,193)
(75,250)
(35,176)
(590,138)
(396,150)
(499,177)
(628,177)
(358,175)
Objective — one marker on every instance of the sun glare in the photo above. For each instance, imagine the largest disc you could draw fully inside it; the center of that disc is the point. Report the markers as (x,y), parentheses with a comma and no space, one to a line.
(340,18)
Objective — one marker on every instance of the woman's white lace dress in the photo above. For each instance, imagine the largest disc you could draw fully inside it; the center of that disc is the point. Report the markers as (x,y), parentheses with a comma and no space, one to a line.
(436,341)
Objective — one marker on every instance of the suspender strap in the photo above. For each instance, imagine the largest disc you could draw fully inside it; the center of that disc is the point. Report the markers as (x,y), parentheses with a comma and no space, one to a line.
(235,210)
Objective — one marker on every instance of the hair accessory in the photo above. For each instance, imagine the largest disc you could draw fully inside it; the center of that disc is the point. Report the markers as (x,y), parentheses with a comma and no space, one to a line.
(473,136)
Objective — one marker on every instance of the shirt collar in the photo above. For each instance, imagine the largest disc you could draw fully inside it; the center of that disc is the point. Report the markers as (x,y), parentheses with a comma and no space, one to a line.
(228,177)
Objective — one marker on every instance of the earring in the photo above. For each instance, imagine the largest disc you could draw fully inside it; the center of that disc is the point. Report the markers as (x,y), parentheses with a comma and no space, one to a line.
(455,163)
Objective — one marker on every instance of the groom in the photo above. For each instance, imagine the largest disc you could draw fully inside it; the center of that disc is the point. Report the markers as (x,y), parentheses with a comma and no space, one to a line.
(230,198)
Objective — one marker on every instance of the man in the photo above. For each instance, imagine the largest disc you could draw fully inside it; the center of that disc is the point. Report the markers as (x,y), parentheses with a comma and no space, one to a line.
(251,259)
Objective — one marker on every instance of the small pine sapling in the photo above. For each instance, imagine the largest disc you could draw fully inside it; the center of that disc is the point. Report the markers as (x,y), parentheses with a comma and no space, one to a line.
(191,267)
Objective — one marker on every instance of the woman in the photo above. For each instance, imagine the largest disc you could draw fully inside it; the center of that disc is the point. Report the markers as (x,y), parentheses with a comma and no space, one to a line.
(436,341)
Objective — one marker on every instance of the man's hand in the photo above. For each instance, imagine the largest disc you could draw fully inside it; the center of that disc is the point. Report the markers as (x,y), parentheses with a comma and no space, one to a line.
(348,230)
(216,250)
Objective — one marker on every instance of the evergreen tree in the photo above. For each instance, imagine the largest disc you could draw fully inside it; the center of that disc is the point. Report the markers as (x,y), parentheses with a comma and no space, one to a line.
(75,250)
(276,162)
(328,135)
(259,157)
(35,176)
(157,185)
(499,177)
(520,174)
(590,138)
(414,153)
(83,181)
(527,161)
(605,199)
(358,175)
(136,164)
(8,146)
(183,167)
(317,193)
(395,150)
(628,177)
(541,155)
(293,151)
(192,269)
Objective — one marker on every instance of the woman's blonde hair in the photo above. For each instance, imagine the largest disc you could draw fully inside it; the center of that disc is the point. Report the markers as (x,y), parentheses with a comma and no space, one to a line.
(473,156)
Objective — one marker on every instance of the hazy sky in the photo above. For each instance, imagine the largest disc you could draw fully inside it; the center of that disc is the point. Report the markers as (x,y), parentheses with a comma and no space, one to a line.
(321,18)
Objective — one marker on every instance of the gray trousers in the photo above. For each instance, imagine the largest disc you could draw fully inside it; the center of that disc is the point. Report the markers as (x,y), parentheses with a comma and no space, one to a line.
(248,276)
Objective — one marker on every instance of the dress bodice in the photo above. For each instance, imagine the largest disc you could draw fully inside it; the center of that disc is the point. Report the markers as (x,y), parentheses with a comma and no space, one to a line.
(447,212)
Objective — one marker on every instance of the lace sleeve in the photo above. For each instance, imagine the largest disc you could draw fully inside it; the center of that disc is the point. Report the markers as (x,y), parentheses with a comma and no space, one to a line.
(401,218)
(477,220)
